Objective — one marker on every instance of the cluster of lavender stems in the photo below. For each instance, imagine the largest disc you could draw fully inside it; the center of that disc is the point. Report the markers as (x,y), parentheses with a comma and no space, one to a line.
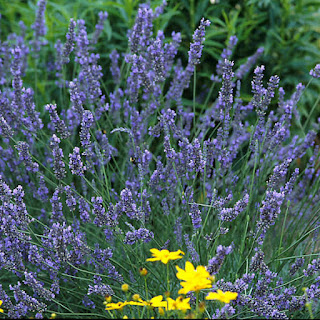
(103,175)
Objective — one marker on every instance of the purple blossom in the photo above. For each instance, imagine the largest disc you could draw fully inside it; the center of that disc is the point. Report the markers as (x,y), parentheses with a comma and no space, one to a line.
(194,255)
(86,124)
(25,157)
(101,289)
(59,166)
(196,47)
(226,54)
(141,234)
(195,215)
(315,72)
(103,15)
(69,45)
(114,68)
(229,214)
(75,164)
(37,287)
(296,266)
(39,26)
(313,268)
(141,30)
(25,303)
(5,129)
(216,262)
(57,122)
(104,217)
(157,58)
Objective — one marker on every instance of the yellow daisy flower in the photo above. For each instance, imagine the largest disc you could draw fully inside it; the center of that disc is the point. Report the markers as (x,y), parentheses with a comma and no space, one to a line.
(225,297)
(116,306)
(179,304)
(165,255)
(194,279)
(1,310)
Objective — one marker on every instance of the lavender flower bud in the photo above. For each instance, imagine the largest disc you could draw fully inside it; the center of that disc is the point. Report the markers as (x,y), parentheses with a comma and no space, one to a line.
(75,98)
(157,58)
(141,234)
(196,47)
(216,262)
(178,231)
(24,155)
(99,26)
(315,73)
(141,30)
(296,266)
(59,166)
(258,264)
(5,129)
(57,122)
(39,26)
(70,198)
(69,45)
(226,54)
(101,289)
(75,164)
(115,70)
(312,268)
(195,215)
(37,287)
(86,124)
(191,250)
(229,214)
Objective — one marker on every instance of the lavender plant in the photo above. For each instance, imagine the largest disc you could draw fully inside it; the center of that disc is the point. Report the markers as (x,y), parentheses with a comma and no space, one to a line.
(93,180)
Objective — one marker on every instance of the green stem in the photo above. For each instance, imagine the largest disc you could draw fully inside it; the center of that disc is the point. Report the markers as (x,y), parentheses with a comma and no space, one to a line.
(168,281)
(197,304)
(282,231)
(311,112)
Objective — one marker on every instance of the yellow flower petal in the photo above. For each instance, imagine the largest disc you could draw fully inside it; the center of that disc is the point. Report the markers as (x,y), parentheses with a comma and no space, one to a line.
(225,297)
(164,255)
(179,304)
(116,306)
(194,279)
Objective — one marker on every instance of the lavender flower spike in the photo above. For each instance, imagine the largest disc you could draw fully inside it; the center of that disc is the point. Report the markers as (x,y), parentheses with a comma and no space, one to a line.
(58,123)
(196,47)
(39,26)
(59,166)
(99,26)
(76,166)
(5,129)
(25,157)
(315,73)
(86,123)
(69,45)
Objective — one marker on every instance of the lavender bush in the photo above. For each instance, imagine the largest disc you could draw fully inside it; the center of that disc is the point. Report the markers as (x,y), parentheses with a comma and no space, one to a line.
(100,174)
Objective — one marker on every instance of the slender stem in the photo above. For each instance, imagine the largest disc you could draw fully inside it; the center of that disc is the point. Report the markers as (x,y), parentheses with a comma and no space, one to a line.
(168,281)
(310,114)
(283,226)
(194,97)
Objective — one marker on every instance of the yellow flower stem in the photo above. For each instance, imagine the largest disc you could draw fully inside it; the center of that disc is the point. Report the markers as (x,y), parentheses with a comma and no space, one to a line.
(308,305)
(146,286)
(168,281)
(197,304)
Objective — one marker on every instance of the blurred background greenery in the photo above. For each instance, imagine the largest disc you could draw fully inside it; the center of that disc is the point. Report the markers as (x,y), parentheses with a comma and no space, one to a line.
(287,29)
